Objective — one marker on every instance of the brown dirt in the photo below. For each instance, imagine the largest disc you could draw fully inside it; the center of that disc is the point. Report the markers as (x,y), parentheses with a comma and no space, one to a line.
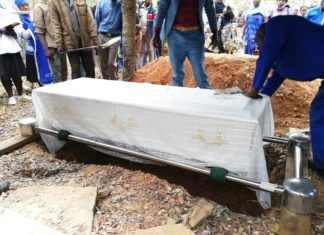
(290,103)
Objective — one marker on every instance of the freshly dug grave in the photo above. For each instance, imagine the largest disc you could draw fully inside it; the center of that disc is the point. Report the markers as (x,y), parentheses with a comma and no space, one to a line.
(290,103)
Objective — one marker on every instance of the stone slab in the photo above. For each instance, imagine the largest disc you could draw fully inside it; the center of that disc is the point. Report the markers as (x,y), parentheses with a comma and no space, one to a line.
(9,220)
(67,209)
(200,213)
(169,229)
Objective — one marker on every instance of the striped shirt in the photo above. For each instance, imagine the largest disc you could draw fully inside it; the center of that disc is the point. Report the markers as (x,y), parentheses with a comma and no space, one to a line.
(253,23)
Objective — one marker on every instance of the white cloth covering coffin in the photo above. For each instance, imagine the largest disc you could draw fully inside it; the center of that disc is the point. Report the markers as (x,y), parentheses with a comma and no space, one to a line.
(187,125)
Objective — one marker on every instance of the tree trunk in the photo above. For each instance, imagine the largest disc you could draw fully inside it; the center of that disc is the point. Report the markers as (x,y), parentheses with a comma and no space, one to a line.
(128,12)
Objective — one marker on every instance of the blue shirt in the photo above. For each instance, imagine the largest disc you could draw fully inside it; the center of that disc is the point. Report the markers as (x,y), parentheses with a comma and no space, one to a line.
(315,15)
(109,17)
(293,47)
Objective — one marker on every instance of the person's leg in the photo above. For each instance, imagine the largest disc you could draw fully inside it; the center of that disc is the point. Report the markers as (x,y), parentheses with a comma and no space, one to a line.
(249,48)
(74,58)
(63,67)
(7,86)
(18,84)
(88,63)
(112,61)
(220,41)
(138,44)
(196,56)
(149,47)
(55,65)
(103,56)
(177,55)
(317,128)
(142,54)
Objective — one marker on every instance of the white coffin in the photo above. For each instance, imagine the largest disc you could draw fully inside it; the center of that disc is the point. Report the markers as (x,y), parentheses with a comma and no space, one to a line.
(188,125)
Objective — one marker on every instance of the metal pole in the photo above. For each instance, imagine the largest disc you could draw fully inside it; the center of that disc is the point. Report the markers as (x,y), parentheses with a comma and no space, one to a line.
(298,145)
(268,187)
(300,194)
(298,162)
(276,140)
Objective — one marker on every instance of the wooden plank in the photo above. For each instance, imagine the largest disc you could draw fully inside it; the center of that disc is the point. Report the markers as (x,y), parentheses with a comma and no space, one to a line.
(319,185)
(15,142)
(291,223)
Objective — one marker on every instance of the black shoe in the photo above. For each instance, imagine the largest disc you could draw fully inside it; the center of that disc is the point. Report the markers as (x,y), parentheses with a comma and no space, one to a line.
(4,186)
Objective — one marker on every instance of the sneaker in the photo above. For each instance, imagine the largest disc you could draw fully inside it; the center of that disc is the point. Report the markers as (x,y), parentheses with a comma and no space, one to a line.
(28,86)
(12,101)
(24,97)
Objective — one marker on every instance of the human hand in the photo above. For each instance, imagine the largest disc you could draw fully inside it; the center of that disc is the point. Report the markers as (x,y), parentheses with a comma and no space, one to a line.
(252,93)
(157,40)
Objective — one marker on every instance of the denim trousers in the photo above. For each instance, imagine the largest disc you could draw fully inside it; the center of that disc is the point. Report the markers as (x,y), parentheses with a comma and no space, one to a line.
(189,44)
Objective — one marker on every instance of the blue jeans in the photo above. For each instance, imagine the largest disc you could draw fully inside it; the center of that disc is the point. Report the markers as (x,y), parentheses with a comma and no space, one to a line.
(317,128)
(187,44)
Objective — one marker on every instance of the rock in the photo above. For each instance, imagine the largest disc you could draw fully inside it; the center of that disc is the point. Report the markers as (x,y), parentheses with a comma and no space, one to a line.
(299,131)
(200,212)
(9,220)
(68,209)
(165,230)
(103,193)
(91,170)
(4,186)
(170,221)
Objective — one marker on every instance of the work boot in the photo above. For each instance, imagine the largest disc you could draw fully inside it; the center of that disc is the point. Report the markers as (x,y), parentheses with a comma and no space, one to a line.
(4,186)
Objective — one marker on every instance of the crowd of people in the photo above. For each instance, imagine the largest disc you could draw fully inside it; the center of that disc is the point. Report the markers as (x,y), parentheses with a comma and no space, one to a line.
(238,33)
(56,30)
(258,14)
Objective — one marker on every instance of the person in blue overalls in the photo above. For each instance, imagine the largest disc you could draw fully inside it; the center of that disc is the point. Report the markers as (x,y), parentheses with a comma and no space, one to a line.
(293,47)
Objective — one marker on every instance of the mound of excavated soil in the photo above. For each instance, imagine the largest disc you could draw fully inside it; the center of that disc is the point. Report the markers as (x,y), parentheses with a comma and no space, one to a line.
(290,103)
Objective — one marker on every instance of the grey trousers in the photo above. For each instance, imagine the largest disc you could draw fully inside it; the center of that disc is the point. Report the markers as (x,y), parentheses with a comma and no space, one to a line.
(108,58)
(84,57)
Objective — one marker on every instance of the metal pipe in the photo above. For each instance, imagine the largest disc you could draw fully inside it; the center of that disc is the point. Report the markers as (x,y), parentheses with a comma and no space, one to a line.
(298,162)
(276,140)
(126,151)
(268,187)
(300,194)
(264,186)
(298,145)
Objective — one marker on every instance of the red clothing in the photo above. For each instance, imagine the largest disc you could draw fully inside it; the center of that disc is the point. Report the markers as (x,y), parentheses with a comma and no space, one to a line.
(187,15)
